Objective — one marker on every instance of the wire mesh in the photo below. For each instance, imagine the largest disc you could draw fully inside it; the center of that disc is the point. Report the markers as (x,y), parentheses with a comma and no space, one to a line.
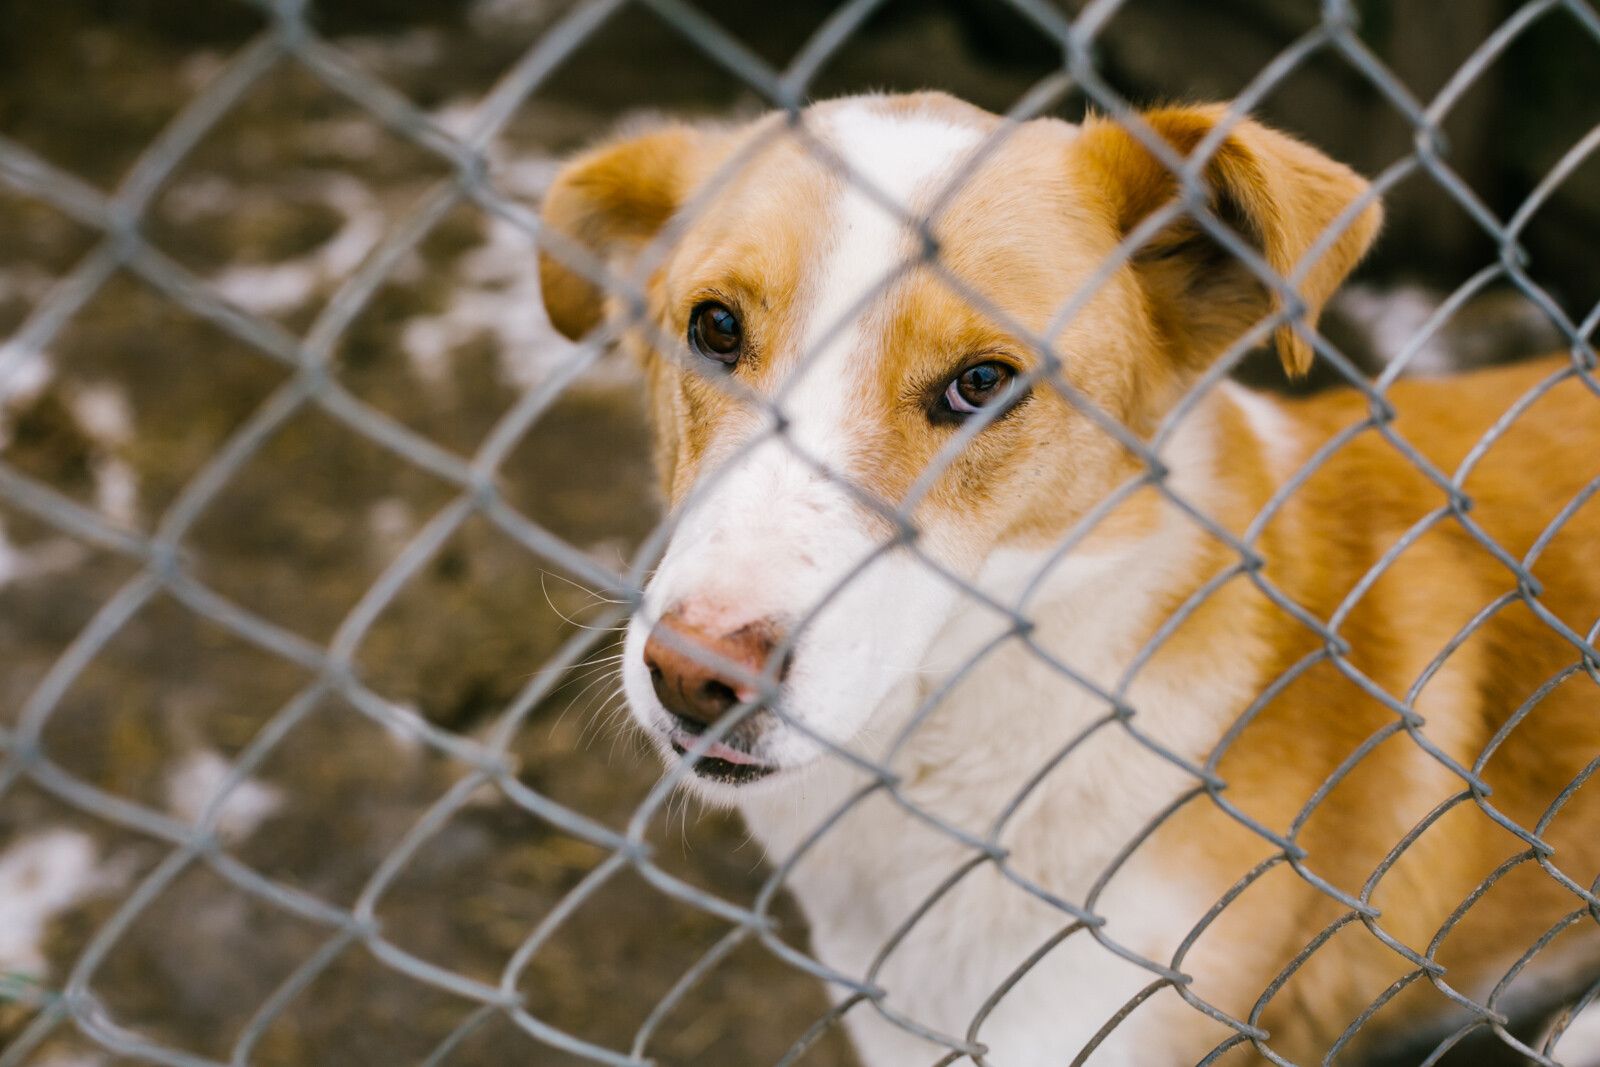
(160,566)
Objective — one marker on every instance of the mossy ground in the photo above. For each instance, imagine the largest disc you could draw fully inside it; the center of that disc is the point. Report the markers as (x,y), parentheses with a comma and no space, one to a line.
(298,535)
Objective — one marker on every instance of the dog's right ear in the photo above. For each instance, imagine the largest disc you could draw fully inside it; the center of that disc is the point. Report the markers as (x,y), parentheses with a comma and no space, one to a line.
(611,201)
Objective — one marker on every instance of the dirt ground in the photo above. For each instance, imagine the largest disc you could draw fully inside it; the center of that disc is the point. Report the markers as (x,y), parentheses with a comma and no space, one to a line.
(136,394)
(275,207)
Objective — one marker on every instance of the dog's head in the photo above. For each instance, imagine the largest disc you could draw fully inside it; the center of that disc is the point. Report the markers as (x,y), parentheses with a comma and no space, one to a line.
(842,319)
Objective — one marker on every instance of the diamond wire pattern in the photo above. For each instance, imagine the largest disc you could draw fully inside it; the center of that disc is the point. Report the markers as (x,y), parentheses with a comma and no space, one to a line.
(290,39)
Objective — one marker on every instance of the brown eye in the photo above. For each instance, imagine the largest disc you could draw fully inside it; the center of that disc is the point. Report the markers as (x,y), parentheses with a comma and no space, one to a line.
(976,387)
(715,332)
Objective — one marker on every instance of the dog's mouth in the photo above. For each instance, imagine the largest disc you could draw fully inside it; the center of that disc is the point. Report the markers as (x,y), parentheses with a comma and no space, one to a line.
(721,762)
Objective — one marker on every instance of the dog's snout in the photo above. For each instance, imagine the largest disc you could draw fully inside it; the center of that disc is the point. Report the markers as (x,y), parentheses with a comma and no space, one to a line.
(699,692)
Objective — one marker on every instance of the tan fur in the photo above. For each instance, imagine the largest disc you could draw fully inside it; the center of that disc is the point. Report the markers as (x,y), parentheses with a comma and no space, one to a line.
(1319,546)
(1280,194)
(1039,216)
(611,201)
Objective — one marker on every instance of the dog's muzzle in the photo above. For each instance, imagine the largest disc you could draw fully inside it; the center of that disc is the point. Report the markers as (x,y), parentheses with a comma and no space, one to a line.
(699,677)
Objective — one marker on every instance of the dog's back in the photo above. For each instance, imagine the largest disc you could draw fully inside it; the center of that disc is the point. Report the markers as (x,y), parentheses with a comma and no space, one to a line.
(1427,611)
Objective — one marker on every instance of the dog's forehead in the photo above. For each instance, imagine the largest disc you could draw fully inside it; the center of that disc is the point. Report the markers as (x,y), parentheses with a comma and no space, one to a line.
(848,188)
(816,237)
(825,215)
(895,154)
(897,163)
(1010,230)
(869,153)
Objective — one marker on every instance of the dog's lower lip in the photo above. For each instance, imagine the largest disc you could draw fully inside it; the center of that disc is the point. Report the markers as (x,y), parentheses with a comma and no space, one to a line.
(716,769)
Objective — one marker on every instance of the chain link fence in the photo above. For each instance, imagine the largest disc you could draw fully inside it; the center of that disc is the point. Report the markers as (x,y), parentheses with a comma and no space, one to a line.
(478,759)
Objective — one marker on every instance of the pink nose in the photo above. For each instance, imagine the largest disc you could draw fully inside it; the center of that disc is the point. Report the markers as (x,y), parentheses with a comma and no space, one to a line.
(694,691)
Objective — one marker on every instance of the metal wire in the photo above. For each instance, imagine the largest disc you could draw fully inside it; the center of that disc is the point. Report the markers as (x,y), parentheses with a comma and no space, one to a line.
(159,557)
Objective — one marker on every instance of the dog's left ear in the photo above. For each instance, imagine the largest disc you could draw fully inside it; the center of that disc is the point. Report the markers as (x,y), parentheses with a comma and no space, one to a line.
(1278,194)
(611,201)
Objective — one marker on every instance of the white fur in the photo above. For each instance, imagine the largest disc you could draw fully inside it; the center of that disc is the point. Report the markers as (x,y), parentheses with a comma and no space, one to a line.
(896,664)
(773,538)
(1270,425)
(1006,717)
(1580,1042)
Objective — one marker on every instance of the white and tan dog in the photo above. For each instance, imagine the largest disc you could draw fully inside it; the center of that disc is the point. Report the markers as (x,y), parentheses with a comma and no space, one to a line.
(803,305)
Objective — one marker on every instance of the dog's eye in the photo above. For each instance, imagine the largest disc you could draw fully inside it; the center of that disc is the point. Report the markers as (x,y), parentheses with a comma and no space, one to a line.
(715,332)
(976,387)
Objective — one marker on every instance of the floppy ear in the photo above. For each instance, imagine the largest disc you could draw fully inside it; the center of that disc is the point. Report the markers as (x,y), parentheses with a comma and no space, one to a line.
(611,201)
(1278,194)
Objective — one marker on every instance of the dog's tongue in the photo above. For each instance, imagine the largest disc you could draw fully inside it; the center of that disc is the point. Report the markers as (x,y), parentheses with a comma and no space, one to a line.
(718,750)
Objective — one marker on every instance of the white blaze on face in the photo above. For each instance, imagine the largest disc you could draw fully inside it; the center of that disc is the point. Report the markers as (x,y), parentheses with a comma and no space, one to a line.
(771,538)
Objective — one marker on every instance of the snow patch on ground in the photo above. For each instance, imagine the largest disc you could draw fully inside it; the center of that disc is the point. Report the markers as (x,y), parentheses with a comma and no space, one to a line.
(493,18)
(200,67)
(201,196)
(25,282)
(71,1059)
(347,138)
(407,739)
(455,116)
(392,523)
(1492,327)
(1392,319)
(103,413)
(526,176)
(496,291)
(194,782)
(497,294)
(275,288)
(116,490)
(18,564)
(12,560)
(24,375)
(41,876)
(419,47)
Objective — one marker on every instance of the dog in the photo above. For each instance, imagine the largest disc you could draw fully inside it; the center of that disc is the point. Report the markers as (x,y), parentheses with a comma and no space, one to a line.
(1101,708)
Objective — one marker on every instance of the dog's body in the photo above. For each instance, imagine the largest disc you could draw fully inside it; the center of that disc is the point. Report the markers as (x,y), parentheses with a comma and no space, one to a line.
(1060,769)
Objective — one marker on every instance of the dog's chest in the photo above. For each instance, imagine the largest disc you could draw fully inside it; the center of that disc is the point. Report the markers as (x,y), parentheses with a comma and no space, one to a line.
(953,939)
(962,873)
(1016,795)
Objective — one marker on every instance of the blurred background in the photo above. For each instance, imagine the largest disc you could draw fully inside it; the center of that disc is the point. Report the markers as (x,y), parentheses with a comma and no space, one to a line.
(274,208)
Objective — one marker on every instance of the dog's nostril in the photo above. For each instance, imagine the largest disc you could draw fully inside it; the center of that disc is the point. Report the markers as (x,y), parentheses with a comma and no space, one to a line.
(718,695)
